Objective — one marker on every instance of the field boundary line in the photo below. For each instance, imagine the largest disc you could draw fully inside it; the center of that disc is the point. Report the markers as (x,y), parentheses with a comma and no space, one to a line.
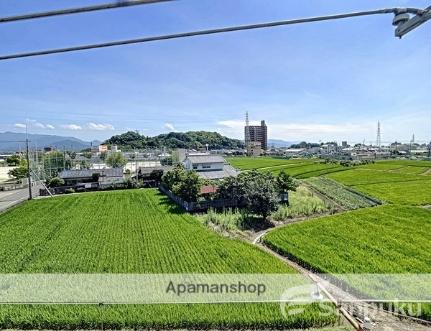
(391,181)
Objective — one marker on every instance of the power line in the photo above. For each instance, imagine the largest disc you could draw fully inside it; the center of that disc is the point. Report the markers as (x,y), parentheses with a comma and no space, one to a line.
(13,141)
(118,4)
(207,32)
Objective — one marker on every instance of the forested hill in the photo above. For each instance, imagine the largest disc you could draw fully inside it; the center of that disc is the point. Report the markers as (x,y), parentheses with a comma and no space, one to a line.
(189,140)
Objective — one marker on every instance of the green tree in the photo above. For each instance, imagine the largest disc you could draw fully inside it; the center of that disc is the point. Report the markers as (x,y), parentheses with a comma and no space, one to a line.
(260,193)
(116,160)
(19,172)
(56,182)
(232,188)
(13,160)
(174,176)
(189,187)
(285,183)
(193,139)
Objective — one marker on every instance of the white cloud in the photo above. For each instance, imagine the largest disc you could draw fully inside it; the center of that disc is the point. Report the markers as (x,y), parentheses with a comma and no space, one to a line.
(100,126)
(35,124)
(39,125)
(170,127)
(73,127)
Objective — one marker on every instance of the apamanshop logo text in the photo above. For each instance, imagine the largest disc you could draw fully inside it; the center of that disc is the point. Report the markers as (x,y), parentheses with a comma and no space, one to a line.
(215,288)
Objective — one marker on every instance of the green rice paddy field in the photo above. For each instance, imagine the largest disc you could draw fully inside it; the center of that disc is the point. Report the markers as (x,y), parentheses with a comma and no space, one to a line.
(134,231)
(299,168)
(384,239)
(393,238)
(398,182)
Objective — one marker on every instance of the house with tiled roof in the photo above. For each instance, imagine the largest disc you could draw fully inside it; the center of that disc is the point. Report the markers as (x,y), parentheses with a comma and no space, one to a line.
(209,166)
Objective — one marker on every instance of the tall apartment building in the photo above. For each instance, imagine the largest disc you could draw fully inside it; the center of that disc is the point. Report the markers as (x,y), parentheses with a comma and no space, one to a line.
(256,134)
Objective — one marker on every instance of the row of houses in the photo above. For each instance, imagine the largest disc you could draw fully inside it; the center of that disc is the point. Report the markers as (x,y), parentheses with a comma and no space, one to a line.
(207,166)
(92,178)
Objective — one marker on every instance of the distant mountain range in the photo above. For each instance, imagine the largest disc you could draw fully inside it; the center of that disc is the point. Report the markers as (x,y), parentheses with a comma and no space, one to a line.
(12,142)
(280,143)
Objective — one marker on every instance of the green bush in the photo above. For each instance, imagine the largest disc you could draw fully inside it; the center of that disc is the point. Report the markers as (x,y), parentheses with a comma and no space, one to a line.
(56,182)
(227,220)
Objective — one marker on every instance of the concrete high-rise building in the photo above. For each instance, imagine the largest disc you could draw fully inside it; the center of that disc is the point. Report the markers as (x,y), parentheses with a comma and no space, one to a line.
(255,134)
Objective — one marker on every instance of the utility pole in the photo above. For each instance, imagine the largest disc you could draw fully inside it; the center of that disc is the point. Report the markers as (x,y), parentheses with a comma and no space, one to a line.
(30,194)
(247,134)
(64,157)
(136,166)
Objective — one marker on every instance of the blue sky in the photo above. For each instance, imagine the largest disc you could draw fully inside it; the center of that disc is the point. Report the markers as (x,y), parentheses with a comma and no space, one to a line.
(321,81)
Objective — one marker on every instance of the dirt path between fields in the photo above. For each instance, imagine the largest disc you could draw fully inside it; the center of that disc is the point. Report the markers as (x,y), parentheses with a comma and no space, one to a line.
(254,237)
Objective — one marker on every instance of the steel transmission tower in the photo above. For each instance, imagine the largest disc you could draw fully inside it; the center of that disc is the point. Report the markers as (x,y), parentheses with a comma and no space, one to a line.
(379,136)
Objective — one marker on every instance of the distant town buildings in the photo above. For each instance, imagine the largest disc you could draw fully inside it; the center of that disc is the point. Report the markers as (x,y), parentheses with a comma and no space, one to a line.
(255,137)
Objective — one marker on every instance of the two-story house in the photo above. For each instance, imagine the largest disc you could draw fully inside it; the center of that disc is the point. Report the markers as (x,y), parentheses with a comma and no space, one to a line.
(209,166)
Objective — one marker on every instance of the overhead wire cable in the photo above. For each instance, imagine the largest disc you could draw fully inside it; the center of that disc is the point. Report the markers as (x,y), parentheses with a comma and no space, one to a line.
(205,32)
(79,10)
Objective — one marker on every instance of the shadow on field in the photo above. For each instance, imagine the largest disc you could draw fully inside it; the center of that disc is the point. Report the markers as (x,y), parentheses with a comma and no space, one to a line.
(255,223)
(169,205)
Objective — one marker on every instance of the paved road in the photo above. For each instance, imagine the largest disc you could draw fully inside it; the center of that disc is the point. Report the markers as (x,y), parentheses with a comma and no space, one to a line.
(10,198)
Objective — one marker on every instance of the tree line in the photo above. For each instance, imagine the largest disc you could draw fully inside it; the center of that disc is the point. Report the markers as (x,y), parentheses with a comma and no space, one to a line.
(256,192)
(189,140)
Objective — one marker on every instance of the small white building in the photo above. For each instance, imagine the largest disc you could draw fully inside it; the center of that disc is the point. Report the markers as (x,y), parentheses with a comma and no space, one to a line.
(423,152)
(209,166)
(294,151)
